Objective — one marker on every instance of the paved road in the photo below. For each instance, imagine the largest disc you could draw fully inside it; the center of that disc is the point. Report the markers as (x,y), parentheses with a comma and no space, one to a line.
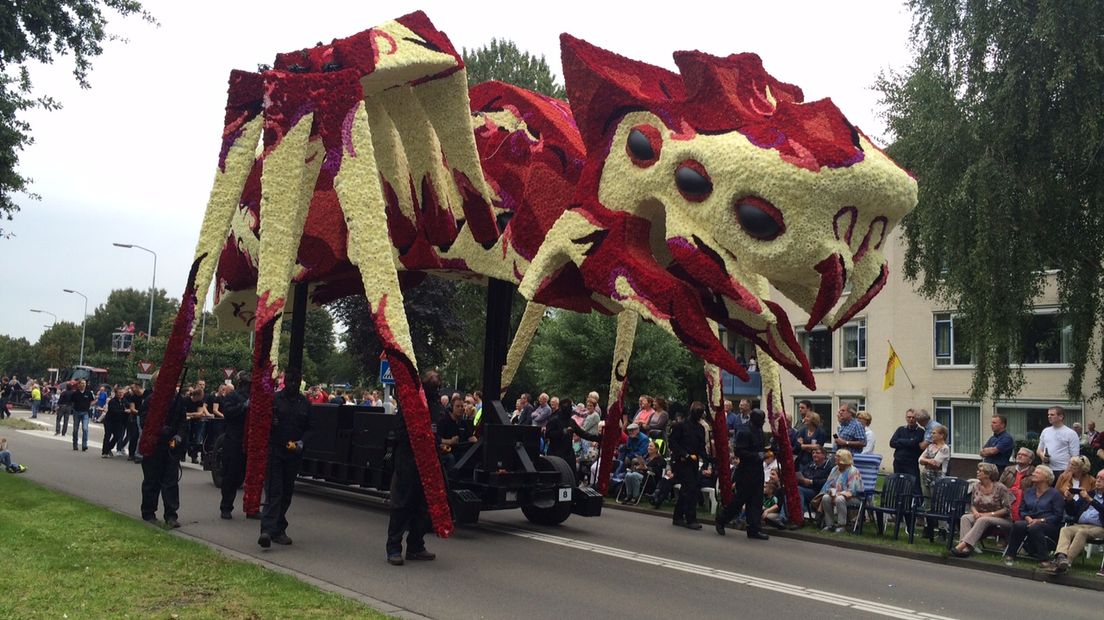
(620,565)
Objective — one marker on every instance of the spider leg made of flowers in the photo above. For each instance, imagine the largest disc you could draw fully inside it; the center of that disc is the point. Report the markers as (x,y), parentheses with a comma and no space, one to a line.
(240,136)
(714,391)
(523,337)
(627,320)
(360,193)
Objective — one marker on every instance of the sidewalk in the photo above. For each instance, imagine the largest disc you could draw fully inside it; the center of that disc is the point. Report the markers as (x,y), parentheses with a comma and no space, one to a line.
(849,541)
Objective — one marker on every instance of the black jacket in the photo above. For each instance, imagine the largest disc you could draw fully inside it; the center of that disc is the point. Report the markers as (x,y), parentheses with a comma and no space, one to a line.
(906,443)
(290,420)
(82,401)
(819,475)
(749,447)
(233,408)
(559,433)
(687,439)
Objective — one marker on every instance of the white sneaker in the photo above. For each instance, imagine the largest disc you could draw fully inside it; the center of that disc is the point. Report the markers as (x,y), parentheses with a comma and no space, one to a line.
(839,530)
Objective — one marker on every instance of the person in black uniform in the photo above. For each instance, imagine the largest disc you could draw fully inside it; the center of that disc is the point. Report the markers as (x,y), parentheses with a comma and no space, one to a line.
(290,423)
(687,445)
(409,512)
(114,424)
(133,401)
(161,470)
(234,407)
(749,447)
(560,433)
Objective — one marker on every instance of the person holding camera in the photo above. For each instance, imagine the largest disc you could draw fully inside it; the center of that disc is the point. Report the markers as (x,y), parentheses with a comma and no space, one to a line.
(290,423)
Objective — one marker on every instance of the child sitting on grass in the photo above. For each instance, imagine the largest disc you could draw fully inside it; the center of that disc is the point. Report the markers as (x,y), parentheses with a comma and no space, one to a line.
(5,459)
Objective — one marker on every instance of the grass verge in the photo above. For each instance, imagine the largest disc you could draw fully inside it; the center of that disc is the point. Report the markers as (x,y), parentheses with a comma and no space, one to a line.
(19,424)
(67,558)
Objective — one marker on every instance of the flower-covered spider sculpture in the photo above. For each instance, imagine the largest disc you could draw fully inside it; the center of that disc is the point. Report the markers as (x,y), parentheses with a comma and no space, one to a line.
(361,166)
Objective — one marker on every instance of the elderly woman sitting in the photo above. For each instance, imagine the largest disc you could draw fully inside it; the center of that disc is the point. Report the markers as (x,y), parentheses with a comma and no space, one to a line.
(990,506)
(1078,475)
(842,489)
(1041,512)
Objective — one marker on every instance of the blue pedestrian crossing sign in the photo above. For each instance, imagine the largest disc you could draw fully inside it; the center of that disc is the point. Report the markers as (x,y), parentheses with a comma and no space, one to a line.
(385,373)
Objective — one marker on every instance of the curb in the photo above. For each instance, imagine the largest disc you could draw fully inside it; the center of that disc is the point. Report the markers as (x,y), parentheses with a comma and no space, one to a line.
(1034,574)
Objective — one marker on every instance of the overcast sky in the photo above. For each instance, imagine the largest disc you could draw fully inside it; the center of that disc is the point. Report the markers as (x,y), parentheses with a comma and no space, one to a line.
(132,159)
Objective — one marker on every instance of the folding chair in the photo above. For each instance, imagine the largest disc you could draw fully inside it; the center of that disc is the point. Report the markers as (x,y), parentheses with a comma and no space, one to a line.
(868,465)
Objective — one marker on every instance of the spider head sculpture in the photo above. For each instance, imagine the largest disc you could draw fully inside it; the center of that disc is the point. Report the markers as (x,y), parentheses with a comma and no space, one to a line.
(739,181)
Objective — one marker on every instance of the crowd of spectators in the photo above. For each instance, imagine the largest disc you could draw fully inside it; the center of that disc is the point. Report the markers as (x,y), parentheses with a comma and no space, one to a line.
(1045,502)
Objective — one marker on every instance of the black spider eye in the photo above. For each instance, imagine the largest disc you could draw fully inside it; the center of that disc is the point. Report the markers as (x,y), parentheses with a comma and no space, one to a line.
(759,218)
(693,181)
(643,145)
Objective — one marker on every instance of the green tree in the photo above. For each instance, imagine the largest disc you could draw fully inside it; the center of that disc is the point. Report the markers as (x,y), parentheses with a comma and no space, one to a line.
(38,31)
(502,60)
(123,306)
(1000,116)
(59,346)
(18,356)
(572,355)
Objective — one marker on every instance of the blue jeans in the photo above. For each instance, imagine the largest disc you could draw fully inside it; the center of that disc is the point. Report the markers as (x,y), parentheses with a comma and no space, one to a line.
(80,421)
(34,408)
(5,458)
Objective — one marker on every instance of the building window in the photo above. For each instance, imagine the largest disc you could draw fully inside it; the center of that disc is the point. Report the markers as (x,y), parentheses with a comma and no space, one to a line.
(854,344)
(963,422)
(817,346)
(1027,420)
(949,349)
(1046,340)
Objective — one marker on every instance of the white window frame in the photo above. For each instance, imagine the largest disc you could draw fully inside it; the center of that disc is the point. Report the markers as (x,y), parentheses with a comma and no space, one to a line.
(935,335)
(1043,312)
(1044,404)
(831,346)
(955,402)
(861,354)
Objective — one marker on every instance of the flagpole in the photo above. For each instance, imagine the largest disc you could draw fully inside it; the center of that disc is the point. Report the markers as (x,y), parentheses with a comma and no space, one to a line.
(902,365)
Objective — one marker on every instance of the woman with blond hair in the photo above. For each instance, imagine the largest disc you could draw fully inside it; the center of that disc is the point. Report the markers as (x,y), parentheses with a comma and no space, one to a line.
(840,491)
(865,418)
(1078,475)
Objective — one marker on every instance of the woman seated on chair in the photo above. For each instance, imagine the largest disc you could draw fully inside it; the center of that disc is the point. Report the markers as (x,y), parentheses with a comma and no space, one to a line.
(840,491)
(990,506)
(634,480)
(1041,514)
(1078,475)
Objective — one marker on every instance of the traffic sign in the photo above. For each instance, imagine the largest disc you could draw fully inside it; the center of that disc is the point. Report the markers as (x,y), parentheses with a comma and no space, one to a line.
(228,372)
(385,376)
(145,368)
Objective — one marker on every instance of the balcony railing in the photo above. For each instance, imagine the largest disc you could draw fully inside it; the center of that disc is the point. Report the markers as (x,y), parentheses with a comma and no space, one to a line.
(733,386)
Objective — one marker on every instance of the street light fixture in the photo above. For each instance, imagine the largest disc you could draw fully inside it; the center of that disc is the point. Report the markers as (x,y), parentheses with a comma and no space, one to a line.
(46,312)
(153,288)
(83,318)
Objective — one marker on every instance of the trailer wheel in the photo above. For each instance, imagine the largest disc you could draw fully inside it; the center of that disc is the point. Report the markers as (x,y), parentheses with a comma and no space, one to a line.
(551,512)
(216,461)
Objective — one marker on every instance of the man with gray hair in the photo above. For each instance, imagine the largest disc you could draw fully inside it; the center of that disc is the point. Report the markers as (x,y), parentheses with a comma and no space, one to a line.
(851,433)
(542,412)
(924,419)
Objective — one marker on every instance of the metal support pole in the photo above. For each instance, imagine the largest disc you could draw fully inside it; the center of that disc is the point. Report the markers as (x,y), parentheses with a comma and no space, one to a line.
(500,295)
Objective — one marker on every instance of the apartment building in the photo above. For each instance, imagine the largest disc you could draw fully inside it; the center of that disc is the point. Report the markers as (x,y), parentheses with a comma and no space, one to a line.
(849,365)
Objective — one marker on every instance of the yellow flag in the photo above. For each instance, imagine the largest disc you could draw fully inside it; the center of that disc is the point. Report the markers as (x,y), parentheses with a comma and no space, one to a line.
(891,369)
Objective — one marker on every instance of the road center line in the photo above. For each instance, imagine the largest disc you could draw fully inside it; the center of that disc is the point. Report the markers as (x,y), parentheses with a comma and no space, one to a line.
(881,609)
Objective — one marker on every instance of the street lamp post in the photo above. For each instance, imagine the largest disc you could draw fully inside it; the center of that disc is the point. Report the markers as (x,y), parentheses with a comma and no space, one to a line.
(153,288)
(84,317)
(46,312)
